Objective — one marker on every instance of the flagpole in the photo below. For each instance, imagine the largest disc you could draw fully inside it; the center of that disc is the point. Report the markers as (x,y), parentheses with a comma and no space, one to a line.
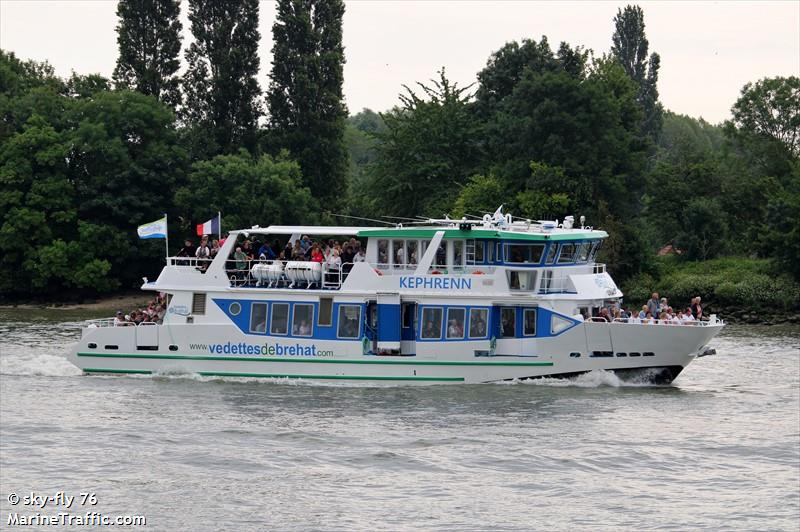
(166,239)
(219,218)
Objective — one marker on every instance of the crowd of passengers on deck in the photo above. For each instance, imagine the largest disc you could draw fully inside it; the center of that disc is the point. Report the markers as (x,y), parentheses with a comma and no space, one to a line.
(656,310)
(154,312)
(335,255)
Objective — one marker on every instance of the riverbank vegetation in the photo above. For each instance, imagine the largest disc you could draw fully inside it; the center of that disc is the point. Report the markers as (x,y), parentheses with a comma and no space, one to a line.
(548,130)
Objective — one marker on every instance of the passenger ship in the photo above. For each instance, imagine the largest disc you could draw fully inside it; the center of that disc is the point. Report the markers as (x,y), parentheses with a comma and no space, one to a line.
(476,301)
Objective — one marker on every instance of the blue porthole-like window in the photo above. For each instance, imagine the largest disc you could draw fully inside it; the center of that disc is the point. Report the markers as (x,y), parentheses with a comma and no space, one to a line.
(235,308)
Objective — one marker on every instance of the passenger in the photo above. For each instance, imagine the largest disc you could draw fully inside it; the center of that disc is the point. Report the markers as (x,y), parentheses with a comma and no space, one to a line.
(203,254)
(617,315)
(265,252)
(430,331)
(697,308)
(316,254)
(643,312)
(652,304)
(241,259)
(214,248)
(400,256)
(663,305)
(477,327)
(648,318)
(223,239)
(634,318)
(287,251)
(247,248)
(360,256)
(334,262)
(305,243)
(297,251)
(604,315)
(305,328)
(688,316)
(119,319)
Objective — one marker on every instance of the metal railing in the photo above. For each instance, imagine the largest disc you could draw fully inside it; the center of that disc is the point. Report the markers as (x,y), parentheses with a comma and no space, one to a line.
(240,273)
(435,269)
(110,322)
(671,323)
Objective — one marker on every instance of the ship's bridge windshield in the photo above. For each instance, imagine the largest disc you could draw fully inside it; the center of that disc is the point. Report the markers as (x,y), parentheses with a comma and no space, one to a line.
(460,254)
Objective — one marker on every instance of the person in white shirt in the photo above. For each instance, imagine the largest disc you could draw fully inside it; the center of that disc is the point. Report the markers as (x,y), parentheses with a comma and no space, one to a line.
(360,256)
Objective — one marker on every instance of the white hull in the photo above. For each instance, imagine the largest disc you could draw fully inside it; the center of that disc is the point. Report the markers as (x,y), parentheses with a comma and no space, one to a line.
(654,346)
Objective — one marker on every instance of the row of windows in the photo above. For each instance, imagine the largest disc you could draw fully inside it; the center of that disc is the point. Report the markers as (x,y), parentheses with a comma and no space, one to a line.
(472,252)
(432,319)
(566,253)
(431,327)
(302,319)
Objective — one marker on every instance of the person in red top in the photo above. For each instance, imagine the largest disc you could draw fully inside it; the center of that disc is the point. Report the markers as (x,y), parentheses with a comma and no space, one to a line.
(316,254)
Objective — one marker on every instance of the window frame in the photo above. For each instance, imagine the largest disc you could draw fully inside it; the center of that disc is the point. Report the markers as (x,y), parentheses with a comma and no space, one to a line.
(561,252)
(525,312)
(514,310)
(552,252)
(422,322)
(341,308)
(554,318)
(272,330)
(252,314)
(485,323)
(529,247)
(328,302)
(311,320)
(463,323)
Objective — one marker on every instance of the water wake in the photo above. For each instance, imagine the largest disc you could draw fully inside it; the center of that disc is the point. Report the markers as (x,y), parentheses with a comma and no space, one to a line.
(37,364)
(597,379)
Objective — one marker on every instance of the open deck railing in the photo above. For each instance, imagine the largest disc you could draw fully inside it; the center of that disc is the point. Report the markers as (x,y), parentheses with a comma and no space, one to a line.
(671,323)
(109,322)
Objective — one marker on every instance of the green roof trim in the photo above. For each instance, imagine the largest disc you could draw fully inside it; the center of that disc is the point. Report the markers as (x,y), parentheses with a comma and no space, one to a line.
(481,234)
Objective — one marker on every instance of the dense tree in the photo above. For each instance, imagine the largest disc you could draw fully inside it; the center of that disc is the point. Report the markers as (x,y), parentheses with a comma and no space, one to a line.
(430,147)
(149,40)
(306,107)
(630,47)
(227,183)
(220,86)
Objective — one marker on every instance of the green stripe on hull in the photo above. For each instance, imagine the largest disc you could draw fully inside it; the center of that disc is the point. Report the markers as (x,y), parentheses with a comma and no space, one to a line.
(316,360)
(287,376)
(130,371)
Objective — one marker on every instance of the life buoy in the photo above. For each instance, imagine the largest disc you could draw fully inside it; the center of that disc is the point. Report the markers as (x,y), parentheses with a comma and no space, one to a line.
(436,272)
(478,272)
(380,273)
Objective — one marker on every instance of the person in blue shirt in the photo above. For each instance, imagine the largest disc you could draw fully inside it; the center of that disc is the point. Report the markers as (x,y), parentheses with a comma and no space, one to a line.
(266,252)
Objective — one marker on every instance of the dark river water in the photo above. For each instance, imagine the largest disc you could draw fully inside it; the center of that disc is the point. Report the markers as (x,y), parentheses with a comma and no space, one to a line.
(718,449)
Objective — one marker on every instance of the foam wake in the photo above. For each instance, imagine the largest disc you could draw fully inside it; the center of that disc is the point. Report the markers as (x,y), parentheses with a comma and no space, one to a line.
(37,364)
(596,379)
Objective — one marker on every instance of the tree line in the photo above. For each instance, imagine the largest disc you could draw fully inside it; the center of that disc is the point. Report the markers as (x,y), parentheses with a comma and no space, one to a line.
(547,132)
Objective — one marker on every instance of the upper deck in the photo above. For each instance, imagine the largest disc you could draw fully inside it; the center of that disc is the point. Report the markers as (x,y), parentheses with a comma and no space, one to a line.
(491,256)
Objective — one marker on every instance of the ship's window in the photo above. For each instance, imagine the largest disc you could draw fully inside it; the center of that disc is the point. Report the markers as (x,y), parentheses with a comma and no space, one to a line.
(325,311)
(198,304)
(475,251)
(547,281)
(399,252)
(529,322)
(349,318)
(235,308)
(478,318)
(521,280)
(498,252)
(383,252)
(634,354)
(173,347)
(567,254)
(575,355)
(455,322)
(431,323)
(280,318)
(583,252)
(490,252)
(458,253)
(508,326)
(551,253)
(622,354)
(595,248)
(411,248)
(649,354)
(440,260)
(258,318)
(112,347)
(524,253)
(302,319)
(92,345)
(558,324)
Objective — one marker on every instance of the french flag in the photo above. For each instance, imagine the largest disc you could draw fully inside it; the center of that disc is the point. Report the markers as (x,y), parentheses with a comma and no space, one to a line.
(210,227)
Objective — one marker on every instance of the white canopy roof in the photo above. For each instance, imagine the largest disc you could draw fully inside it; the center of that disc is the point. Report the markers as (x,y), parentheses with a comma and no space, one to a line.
(305,230)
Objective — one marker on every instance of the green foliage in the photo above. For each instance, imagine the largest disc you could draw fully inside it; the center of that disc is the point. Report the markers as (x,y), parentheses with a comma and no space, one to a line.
(148,36)
(307,111)
(428,150)
(221,92)
(752,284)
(481,194)
(249,190)
(630,49)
